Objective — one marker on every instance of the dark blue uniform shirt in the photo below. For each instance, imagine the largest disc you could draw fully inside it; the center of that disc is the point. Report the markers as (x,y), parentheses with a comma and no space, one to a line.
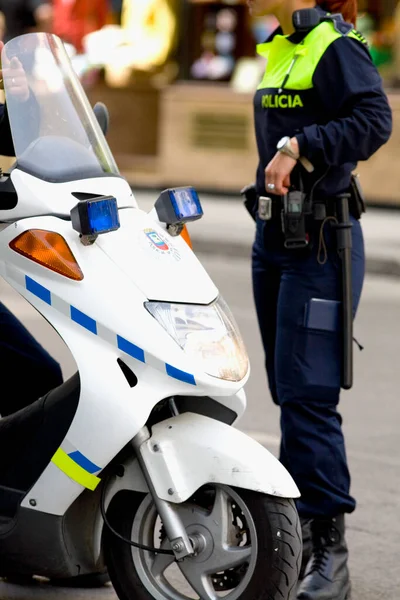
(344,118)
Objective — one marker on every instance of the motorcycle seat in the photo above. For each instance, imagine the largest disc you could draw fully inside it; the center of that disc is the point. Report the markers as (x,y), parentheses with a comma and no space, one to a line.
(30,437)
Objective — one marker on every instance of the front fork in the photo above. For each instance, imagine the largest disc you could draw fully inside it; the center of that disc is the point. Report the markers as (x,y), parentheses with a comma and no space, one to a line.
(181,545)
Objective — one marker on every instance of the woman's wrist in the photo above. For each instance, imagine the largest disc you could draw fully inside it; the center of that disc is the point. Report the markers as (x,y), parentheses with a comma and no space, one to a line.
(298,144)
(302,144)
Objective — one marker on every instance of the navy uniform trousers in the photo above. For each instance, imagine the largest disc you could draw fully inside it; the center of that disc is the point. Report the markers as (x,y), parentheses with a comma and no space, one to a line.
(303,364)
(27,370)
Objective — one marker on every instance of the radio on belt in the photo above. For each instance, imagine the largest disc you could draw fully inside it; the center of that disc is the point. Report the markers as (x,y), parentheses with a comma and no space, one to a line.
(293,220)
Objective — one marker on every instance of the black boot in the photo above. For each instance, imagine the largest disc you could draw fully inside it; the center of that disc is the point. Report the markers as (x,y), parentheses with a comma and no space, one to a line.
(307,545)
(327,575)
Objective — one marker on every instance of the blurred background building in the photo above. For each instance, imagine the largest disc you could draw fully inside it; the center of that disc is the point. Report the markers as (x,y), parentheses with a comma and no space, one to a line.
(178,77)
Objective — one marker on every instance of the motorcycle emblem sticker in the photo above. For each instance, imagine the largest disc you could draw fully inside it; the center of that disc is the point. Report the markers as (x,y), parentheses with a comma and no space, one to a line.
(161,245)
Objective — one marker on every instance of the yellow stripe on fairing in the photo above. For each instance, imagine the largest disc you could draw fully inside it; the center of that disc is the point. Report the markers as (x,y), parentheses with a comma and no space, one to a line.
(74,471)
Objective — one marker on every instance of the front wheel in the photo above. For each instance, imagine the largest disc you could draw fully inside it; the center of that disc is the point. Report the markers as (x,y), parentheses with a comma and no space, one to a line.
(249,547)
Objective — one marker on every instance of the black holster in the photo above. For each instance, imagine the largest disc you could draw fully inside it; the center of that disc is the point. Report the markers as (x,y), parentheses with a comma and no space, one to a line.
(357,199)
(250,199)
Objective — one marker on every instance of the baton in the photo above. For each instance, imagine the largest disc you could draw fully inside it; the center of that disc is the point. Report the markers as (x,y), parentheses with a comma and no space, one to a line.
(344,246)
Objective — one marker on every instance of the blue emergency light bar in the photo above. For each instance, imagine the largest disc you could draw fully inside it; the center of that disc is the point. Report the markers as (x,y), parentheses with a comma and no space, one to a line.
(178,205)
(96,215)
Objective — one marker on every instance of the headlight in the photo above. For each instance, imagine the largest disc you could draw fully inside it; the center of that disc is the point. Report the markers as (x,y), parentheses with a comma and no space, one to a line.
(208,334)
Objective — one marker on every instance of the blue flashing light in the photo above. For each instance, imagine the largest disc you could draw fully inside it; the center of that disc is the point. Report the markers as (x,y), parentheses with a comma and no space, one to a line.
(178,205)
(103,215)
(95,215)
(186,204)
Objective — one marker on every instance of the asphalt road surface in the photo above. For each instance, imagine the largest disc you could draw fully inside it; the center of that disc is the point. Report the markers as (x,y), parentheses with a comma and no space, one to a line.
(371,414)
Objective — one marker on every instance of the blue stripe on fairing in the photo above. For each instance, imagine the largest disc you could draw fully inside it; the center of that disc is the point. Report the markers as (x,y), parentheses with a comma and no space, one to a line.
(83,320)
(123,344)
(180,375)
(130,349)
(84,462)
(38,290)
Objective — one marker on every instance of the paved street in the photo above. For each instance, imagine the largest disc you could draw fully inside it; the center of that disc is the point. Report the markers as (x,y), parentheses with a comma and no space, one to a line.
(371,413)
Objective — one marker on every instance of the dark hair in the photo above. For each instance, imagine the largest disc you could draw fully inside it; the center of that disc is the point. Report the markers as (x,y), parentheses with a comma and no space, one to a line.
(348,8)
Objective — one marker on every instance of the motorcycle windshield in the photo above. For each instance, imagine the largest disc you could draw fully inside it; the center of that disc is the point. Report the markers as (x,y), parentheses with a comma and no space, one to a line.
(55,132)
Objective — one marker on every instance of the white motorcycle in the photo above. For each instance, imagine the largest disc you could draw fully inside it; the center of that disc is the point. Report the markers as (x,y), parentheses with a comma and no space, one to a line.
(133,466)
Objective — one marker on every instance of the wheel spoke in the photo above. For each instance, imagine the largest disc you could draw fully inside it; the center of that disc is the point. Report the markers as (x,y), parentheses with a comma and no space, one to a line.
(218,519)
(225,558)
(198,580)
(162,561)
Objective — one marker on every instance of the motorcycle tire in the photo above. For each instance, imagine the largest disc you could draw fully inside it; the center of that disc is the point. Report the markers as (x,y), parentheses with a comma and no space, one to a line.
(276,567)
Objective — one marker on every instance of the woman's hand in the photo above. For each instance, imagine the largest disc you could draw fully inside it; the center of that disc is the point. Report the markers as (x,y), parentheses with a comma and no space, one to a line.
(15,77)
(14,74)
(278,171)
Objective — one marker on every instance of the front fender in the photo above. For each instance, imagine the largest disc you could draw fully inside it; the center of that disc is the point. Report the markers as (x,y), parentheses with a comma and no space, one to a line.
(190,450)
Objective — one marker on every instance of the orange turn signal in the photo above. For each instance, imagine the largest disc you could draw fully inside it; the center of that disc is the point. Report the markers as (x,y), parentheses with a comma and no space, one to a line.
(50,250)
(186,236)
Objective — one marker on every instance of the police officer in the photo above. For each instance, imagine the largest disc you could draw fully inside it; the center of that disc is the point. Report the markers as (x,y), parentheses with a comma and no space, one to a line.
(27,369)
(319,109)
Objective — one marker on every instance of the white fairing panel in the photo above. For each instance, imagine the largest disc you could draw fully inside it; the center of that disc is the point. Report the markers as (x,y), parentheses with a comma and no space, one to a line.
(141,247)
(37,197)
(189,451)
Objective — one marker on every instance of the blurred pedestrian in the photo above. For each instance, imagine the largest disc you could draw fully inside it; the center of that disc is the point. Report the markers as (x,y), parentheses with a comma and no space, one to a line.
(116,10)
(25,16)
(74,19)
